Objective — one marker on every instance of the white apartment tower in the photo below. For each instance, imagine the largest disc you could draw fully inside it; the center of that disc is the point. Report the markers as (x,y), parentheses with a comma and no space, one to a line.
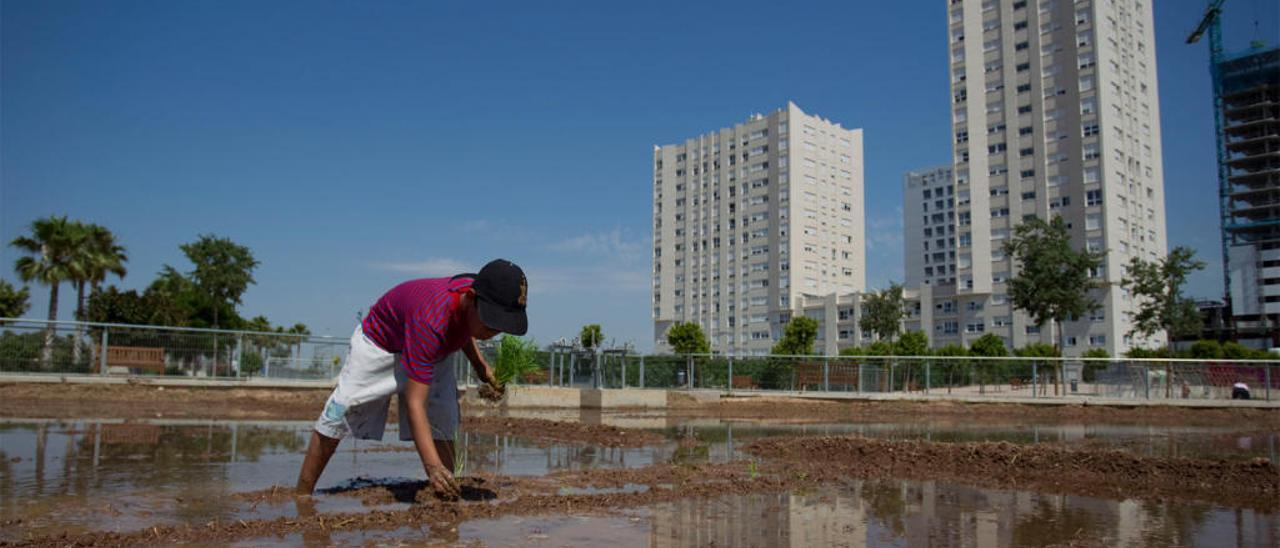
(746,219)
(929,220)
(1055,111)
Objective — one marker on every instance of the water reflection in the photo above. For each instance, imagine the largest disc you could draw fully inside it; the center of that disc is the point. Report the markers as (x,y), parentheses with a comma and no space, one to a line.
(70,476)
(903,513)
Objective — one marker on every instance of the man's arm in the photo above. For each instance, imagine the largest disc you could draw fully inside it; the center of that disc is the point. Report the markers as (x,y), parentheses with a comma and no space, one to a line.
(415,394)
(483,371)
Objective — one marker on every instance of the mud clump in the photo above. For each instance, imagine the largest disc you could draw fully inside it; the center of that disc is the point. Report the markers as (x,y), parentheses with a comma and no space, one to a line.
(1111,474)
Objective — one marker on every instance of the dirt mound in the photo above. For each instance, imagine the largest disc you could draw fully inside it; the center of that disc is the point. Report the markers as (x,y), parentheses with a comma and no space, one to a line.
(1112,474)
(782,407)
(73,401)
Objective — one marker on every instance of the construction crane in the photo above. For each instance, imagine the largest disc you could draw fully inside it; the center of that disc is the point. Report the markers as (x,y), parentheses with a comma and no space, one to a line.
(1212,22)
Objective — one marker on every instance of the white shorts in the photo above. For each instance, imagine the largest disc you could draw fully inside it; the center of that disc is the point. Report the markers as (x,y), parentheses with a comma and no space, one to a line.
(370,376)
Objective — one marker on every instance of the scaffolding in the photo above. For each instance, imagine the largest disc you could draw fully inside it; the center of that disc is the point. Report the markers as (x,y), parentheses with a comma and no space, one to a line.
(1248,92)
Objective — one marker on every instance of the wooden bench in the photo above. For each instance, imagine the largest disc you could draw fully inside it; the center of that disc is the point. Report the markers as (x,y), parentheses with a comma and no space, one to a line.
(837,375)
(142,358)
(746,382)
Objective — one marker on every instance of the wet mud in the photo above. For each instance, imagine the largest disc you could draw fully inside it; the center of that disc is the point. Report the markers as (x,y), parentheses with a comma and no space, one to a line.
(781,465)
(1114,474)
(809,410)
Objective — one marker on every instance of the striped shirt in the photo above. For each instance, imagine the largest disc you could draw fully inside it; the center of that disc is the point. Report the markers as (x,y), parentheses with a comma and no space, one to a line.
(419,320)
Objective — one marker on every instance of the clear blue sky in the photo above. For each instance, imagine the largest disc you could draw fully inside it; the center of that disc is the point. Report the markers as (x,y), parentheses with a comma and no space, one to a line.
(355,144)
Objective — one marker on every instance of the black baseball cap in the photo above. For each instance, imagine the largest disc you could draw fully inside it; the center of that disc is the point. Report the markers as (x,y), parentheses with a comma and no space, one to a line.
(501,290)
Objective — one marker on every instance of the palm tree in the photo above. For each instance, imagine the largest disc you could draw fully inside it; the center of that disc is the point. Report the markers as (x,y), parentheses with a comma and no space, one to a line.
(96,255)
(302,333)
(108,256)
(50,250)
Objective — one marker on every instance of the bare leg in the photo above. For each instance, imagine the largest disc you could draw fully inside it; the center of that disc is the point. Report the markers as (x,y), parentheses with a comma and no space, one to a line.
(318,454)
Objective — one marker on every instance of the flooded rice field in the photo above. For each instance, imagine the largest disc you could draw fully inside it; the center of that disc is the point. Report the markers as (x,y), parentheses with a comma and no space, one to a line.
(646,479)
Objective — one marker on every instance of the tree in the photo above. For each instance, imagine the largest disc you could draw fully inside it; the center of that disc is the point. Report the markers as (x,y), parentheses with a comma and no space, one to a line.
(688,338)
(950,366)
(1053,279)
(1097,353)
(223,270)
(1206,350)
(300,332)
(912,343)
(591,336)
(798,337)
(49,251)
(111,305)
(95,254)
(176,298)
(13,302)
(883,312)
(1091,368)
(1037,350)
(989,345)
(100,257)
(1157,289)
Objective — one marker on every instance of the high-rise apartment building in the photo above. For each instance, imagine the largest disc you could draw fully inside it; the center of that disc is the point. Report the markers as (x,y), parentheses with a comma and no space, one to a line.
(929,221)
(748,218)
(1054,113)
(1249,88)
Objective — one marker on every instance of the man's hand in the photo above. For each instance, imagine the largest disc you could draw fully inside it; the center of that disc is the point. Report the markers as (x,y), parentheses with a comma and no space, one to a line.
(442,482)
(492,391)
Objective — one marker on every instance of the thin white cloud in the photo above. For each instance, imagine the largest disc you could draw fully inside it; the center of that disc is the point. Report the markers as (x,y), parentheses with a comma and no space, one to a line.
(884,233)
(429,267)
(590,279)
(614,243)
(477,225)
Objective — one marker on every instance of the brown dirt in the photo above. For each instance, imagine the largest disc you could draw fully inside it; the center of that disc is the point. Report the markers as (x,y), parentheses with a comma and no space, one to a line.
(809,410)
(71,401)
(1113,474)
(788,464)
(139,401)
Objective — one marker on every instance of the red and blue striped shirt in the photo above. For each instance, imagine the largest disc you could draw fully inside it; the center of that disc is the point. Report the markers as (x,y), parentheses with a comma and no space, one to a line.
(420,321)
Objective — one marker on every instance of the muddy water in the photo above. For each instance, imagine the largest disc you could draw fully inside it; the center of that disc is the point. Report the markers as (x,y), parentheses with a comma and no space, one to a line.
(75,476)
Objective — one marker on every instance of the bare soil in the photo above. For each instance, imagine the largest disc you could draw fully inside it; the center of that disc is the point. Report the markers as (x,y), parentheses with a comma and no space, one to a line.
(1104,473)
(786,464)
(138,401)
(810,410)
(74,401)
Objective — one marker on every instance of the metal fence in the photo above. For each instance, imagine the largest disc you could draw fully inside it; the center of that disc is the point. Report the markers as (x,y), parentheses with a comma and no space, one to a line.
(37,346)
(1011,377)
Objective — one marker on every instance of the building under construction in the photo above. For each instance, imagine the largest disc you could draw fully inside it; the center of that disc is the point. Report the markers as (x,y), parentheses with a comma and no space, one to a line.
(1248,86)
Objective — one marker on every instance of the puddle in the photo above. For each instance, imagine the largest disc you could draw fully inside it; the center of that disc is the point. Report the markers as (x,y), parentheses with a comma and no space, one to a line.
(77,476)
(902,513)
